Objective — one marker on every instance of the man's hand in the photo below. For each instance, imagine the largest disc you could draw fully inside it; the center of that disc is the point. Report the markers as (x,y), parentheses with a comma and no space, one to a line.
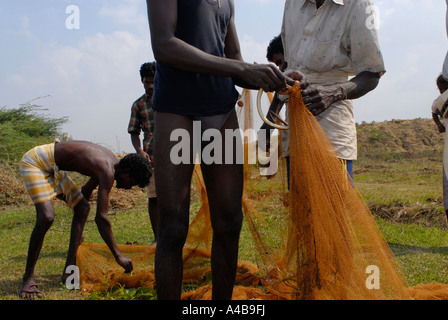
(125,262)
(298,76)
(265,76)
(319,98)
(143,153)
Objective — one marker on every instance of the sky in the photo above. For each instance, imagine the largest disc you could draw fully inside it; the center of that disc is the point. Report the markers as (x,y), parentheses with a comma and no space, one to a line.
(83,64)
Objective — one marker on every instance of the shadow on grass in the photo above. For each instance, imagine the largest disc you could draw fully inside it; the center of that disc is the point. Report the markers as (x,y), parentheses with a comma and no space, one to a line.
(401,249)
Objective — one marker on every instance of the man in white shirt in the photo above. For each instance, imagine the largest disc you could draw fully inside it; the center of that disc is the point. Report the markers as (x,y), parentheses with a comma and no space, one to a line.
(328,41)
(445,62)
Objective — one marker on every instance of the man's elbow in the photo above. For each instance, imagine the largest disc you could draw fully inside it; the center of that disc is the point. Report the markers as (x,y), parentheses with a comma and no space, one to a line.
(162,49)
(158,54)
(369,81)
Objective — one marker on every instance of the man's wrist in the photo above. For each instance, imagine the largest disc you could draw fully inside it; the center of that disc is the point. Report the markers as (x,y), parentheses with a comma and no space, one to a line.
(342,92)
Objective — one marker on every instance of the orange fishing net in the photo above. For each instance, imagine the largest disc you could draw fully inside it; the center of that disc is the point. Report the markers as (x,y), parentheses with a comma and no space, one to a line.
(329,245)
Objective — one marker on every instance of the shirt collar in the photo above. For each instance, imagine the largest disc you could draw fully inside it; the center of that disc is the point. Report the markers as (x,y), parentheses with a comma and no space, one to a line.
(340,2)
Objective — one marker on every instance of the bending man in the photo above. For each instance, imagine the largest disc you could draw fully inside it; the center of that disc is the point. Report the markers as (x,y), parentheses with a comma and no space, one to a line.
(43,169)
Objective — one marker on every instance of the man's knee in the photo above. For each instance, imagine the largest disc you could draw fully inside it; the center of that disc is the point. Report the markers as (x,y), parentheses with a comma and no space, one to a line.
(228,224)
(82,209)
(44,215)
(173,234)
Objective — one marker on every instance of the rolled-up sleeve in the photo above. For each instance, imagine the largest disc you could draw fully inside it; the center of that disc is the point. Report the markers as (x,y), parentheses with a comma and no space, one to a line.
(362,39)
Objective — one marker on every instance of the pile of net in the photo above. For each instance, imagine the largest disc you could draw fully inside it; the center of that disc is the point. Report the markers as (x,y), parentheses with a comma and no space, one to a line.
(329,247)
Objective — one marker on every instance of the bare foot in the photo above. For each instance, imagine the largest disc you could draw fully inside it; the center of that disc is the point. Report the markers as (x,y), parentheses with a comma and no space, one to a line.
(30,290)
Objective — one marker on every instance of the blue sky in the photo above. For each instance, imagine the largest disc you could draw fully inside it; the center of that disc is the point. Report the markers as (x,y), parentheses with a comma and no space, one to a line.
(90,75)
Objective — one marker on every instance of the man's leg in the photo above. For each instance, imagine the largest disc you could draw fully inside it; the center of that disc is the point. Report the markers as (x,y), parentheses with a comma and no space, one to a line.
(173,196)
(224,183)
(153,217)
(80,214)
(153,206)
(445,191)
(44,219)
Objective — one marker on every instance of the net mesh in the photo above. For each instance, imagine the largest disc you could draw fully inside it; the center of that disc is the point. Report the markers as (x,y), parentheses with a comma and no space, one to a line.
(328,247)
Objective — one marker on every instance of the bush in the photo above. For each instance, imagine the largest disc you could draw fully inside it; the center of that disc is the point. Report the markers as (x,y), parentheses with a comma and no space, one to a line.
(24,128)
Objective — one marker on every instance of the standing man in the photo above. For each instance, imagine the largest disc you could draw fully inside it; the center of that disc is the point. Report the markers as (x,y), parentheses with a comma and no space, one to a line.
(43,169)
(198,58)
(142,119)
(445,62)
(328,41)
(276,54)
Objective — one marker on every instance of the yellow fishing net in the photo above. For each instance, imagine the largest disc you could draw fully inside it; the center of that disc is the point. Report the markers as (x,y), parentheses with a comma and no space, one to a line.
(328,247)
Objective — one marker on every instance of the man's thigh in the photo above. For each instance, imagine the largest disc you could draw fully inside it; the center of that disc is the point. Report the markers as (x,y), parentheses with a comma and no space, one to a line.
(224,182)
(172,179)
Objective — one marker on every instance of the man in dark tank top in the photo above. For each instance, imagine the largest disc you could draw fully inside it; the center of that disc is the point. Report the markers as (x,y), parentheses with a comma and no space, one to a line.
(199,63)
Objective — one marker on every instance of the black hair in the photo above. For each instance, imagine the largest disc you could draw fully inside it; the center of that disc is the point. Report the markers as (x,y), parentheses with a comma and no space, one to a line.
(275,46)
(139,168)
(148,69)
(441,81)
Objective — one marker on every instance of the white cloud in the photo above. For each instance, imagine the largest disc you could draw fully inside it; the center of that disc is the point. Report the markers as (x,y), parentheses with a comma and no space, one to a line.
(93,83)
(128,12)
(252,50)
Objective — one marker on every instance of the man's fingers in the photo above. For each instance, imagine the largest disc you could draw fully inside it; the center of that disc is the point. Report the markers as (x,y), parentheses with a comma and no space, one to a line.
(276,79)
(311,97)
(304,84)
(316,108)
(281,79)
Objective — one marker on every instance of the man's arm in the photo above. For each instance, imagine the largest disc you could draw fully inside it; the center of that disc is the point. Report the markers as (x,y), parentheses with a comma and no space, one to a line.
(103,223)
(136,143)
(319,98)
(437,121)
(168,49)
(88,188)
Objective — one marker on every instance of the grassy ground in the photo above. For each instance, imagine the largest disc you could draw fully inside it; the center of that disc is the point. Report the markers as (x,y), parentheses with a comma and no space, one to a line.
(404,194)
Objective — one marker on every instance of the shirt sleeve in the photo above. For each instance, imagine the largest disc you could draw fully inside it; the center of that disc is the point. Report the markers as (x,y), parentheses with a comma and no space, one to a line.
(135,122)
(363,43)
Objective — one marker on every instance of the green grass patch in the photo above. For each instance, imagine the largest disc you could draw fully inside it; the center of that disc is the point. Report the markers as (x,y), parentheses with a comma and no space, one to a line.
(422,252)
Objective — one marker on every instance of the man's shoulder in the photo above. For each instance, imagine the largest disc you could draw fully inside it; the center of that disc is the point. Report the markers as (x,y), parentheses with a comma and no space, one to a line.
(142,102)
(358,3)
(140,99)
